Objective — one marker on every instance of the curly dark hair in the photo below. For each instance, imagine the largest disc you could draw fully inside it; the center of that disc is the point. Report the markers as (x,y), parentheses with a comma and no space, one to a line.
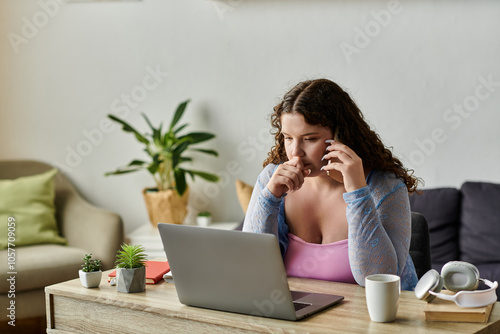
(323,102)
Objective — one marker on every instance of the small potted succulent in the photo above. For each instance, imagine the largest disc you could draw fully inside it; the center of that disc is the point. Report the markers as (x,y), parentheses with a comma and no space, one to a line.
(91,273)
(131,269)
(204,218)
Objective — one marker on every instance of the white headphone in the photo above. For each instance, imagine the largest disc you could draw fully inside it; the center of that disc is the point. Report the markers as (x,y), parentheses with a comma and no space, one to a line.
(460,277)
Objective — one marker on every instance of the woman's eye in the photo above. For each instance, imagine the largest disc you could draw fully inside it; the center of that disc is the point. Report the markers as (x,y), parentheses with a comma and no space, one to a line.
(311,139)
(288,138)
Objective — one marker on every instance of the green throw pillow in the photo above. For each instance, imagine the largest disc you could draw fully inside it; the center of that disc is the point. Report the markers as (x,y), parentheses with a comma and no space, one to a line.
(27,209)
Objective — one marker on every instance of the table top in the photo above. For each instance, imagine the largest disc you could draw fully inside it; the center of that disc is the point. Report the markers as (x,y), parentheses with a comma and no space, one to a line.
(350,315)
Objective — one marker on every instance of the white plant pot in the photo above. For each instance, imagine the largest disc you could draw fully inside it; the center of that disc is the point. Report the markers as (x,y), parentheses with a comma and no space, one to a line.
(203,221)
(90,279)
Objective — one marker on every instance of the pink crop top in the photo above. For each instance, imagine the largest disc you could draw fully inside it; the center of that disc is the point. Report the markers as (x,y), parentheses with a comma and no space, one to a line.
(329,262)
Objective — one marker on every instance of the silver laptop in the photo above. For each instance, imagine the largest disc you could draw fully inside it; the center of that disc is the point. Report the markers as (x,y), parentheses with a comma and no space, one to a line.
(235,271)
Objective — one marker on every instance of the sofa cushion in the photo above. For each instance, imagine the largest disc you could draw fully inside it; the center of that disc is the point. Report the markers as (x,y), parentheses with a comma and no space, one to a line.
(420,244)
(480,223)
(41,265)
(29,304)
(244,193)
(27,211)
(490,271)
(441,208)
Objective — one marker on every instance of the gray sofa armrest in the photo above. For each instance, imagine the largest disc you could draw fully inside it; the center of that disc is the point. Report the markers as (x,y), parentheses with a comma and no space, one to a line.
(85,226)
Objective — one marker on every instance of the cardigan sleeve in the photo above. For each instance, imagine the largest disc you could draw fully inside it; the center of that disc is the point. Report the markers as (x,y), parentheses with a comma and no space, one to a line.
(379,219)
(263,209)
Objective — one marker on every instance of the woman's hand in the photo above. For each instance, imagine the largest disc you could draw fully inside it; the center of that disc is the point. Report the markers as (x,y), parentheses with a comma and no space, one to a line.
(347,162)
(289,176)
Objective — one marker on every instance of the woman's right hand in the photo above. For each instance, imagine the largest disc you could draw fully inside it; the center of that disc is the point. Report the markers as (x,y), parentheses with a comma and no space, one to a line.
(289,176)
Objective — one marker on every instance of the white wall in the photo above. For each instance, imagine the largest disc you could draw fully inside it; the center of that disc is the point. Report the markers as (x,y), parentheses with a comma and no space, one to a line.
(235,59)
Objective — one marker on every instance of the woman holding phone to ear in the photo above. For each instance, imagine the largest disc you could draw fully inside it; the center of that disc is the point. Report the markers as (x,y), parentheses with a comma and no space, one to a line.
(332,193)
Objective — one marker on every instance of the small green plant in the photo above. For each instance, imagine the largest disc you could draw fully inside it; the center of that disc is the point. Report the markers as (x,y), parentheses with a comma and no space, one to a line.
(204,214)
(90,264)
(131,257)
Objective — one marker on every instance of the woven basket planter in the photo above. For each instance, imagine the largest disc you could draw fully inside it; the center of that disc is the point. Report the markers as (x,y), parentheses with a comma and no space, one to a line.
(166,206)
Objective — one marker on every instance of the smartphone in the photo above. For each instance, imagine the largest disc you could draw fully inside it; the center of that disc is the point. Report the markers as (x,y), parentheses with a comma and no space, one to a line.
(335,174)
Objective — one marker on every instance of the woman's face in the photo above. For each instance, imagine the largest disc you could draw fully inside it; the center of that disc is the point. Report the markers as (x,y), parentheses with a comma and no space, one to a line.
(305,141)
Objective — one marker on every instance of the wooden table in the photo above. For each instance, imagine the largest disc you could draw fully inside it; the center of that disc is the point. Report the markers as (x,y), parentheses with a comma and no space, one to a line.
(73,308)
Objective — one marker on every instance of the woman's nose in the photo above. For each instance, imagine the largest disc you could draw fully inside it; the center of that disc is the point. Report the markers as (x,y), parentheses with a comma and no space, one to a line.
(297,150)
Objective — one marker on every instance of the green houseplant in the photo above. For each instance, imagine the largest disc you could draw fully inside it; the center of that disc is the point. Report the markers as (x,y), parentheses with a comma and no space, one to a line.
(130,268)
(167,150)
(91,273)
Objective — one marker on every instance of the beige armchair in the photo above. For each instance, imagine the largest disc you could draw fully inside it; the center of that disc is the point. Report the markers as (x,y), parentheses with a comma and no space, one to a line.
(88,229)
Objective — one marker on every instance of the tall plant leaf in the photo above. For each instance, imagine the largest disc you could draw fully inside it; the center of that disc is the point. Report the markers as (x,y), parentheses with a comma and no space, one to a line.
(168,140)
(156,132)
(155,164)
(176,154)
(123,171)
(178,114)
(153,167)
(197,137)
(206,176)
(127,128)
(202,150)
(137,163)
(180,181)
(176,131)
(189,172)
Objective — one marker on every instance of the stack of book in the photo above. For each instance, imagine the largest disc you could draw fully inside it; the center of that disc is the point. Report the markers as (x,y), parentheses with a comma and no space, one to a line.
(445,310)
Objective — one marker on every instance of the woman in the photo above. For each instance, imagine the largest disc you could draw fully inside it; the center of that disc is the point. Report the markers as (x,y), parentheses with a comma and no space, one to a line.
(331,192)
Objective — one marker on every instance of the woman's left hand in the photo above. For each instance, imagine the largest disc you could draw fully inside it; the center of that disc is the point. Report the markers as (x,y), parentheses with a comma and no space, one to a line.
(346,161)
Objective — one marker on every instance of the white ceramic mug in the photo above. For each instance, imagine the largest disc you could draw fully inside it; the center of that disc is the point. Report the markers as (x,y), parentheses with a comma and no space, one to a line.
(382,296)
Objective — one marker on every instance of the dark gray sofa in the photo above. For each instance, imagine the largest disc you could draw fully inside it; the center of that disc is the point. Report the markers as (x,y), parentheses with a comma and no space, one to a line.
(464,224)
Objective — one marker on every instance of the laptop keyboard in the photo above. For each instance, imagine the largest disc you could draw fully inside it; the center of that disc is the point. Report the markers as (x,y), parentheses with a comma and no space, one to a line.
(300,306)
(297,295)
